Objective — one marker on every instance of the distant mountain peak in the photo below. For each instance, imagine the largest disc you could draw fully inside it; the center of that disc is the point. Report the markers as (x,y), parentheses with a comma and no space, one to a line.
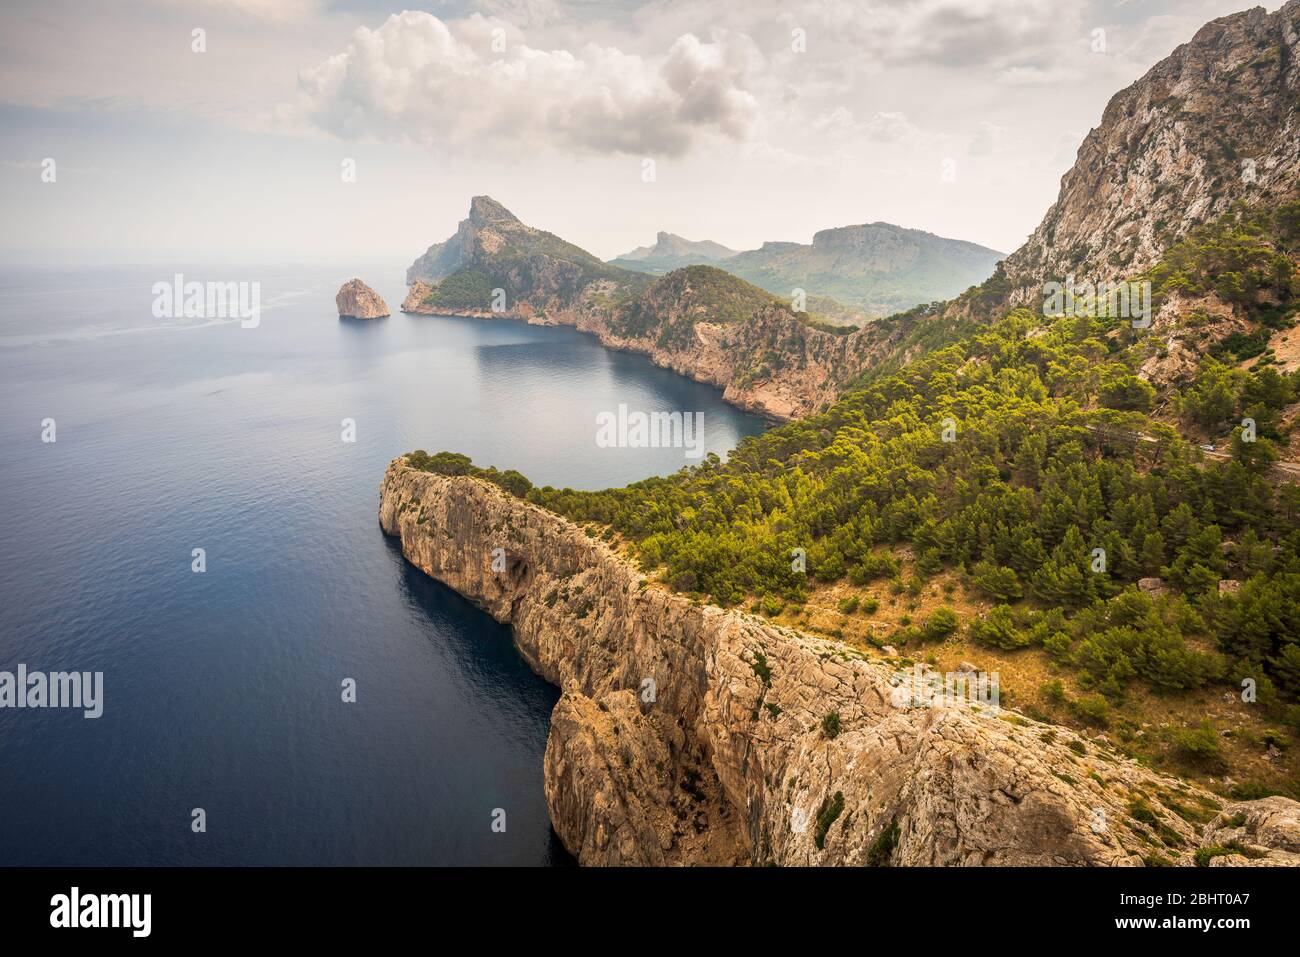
(673,251)
(485,209)
(493,250)
(878,267)
(486,217)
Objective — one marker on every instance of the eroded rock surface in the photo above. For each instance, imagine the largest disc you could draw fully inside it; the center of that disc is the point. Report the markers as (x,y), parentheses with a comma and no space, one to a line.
(356,300)
(688,734)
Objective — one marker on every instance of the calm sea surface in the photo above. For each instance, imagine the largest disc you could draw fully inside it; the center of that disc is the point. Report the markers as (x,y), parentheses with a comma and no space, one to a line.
(222,689)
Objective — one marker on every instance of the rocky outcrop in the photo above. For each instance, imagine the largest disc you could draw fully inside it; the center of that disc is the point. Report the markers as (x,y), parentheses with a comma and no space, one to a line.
(1213,124)
(442,259)
(688,734)
(356,300)
(1254,834)
(495,264)
(416,296)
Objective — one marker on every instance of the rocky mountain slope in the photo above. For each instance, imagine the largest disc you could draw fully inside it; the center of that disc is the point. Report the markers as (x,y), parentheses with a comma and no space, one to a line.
(687,734)
(671,252)
(1213,124)
(537,273)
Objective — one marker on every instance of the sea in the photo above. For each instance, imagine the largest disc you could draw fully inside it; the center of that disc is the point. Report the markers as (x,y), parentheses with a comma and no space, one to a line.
(182,511)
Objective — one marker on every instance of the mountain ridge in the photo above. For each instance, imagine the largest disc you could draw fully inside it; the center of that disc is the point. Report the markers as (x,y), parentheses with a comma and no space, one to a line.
(875,268)
(1212,124)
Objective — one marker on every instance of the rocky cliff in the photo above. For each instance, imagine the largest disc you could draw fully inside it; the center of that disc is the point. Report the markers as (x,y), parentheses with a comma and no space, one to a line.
(497,264)
(687,734)
(356,300)
(1213,124)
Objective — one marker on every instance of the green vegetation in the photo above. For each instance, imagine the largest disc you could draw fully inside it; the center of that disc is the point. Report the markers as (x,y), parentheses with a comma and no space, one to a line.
(1242,256)
(1021,460)
(882,848)
(1200,745)
(1033,484)
(469,288)
(1204,855)
(830,810)
(453,463)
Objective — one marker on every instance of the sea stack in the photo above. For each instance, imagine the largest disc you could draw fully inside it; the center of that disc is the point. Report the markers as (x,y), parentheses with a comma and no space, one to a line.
(356,300)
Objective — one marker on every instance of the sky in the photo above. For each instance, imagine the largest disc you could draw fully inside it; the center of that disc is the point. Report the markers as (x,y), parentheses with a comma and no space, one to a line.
(356,131)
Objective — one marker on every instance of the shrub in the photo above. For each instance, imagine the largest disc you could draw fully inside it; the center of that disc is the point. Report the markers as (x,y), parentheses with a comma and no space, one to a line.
(1200,746)
(1091,709)
(882,848)
(996,581)
(999,630)
(939,625)
(830,810)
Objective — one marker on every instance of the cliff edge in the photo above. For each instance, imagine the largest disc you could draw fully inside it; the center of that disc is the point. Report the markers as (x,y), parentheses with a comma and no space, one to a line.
(689,734)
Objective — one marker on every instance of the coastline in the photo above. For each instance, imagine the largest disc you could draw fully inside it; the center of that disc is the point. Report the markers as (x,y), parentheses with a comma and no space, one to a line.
(691,734)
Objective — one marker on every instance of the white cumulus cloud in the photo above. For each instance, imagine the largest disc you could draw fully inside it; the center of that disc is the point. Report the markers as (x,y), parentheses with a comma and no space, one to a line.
(475,83)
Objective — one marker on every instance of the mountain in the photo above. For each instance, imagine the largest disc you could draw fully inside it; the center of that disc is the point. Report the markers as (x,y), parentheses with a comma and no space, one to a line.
(698,320)
(536,271)
(848,274)
(1103,513)
(878,268)
(672,252)
(1212,125)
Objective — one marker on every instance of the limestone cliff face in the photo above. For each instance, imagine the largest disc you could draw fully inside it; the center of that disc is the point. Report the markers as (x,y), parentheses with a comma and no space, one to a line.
(1214,123)
(687,734)
(356,300)
(768,361)
(486,217)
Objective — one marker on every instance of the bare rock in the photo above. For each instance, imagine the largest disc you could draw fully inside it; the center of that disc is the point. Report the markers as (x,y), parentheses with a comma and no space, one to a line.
(356,300)
(690,734)
(1155,166)
(1256,833)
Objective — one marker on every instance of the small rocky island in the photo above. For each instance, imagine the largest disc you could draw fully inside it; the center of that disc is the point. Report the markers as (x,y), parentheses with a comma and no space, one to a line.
(356,300)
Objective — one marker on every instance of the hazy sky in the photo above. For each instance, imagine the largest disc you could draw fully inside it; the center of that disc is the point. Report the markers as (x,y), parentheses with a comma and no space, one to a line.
(765,119)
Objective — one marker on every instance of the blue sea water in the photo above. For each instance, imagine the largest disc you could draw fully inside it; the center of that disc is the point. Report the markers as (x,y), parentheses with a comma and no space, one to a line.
(222,690)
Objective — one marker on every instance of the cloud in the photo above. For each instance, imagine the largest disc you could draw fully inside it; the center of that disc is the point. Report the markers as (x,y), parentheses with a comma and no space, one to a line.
(273,10)
(987,139)
(890,128)
(475,84)
(867,35)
